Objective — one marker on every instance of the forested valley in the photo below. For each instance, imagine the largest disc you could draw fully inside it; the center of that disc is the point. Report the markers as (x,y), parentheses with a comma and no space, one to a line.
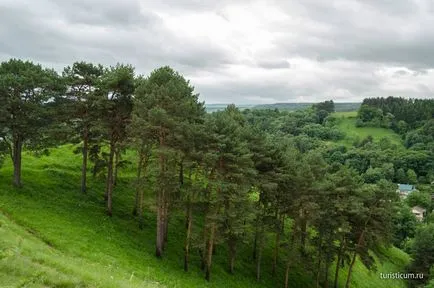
(129,170)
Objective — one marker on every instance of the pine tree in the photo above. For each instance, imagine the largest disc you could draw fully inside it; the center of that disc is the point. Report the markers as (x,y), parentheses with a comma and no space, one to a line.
(25,91)
(335,197)
(273,162)
(232,170)
(165,107)
(371,223)
(114,108)
(82,80)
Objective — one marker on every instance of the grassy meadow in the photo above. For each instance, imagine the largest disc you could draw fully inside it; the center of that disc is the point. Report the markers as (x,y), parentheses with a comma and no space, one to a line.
(347,124)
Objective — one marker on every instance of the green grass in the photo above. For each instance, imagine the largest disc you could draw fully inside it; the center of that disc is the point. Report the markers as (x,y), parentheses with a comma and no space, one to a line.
(391,260)
(26,260)
(347,124)
(51,235)
(51,206)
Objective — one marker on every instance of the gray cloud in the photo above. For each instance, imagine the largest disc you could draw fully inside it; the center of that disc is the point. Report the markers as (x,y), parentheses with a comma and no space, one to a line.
(123,14)
(248,51)
(274,64)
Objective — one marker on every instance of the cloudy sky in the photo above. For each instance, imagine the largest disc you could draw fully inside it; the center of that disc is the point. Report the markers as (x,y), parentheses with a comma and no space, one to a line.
(239,51)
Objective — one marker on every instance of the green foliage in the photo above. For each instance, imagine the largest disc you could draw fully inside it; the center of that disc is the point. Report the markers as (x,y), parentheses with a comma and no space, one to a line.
(405,224)
(328,106)
(422,252)
(78,106)
(321,132)
(371,115)
(418,198)
(411,176)
(401,176)
(373,175)
(167,115)
(26,90)
(411,111)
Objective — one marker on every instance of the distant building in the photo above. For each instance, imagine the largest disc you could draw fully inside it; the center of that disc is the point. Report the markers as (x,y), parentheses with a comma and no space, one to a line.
(404,190)
(419,212)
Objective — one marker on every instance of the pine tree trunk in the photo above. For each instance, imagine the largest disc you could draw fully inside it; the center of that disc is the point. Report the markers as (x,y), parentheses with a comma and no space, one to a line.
(165,223)
(326,272)
(260,247)
(163,219)
(255,241)
(318,268)
(288,264)
(160,204)
(136,203)
(139,190)
(359,243)
(140,208)
(17,150)
(276,247)
(109,192)
(303,232)
(232,252)
(158,243)
(350,270)
(292,244)
(203,248)
(232,263)
(139,201)
(209,251)
(338,262)
(188,235)
(84,160)
(205,241)
(117,159)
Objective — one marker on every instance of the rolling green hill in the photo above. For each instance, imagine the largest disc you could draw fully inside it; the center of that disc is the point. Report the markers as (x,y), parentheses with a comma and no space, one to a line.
(53,236)
(347,124)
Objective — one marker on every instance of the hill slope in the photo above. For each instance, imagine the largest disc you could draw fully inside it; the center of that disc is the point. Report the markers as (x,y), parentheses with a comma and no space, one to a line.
(53,236)
(347,124)
(26,260)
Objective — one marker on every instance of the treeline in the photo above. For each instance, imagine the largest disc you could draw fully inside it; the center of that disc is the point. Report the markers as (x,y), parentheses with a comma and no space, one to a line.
(397,113)
(413,119)
(338,107)
(241,179)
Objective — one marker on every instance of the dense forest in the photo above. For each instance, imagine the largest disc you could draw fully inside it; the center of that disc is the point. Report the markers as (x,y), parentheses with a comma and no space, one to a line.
(240,180)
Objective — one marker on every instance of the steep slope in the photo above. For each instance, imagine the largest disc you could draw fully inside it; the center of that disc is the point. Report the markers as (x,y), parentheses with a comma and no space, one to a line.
(26,260)
(51,235)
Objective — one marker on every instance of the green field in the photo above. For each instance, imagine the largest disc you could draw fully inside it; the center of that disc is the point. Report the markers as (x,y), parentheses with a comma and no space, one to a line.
(347,124)
(53,236)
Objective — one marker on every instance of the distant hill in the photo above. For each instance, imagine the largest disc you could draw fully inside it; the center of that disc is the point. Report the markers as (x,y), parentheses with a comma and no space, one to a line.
(339,107)
(216,107)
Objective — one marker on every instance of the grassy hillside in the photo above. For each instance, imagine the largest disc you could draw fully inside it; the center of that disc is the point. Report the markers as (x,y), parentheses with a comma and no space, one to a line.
(347,124)
(391,260)
(53,236)
(29,260)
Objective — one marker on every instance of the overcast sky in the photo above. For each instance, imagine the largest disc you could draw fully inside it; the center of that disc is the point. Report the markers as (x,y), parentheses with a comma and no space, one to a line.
(239,51)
